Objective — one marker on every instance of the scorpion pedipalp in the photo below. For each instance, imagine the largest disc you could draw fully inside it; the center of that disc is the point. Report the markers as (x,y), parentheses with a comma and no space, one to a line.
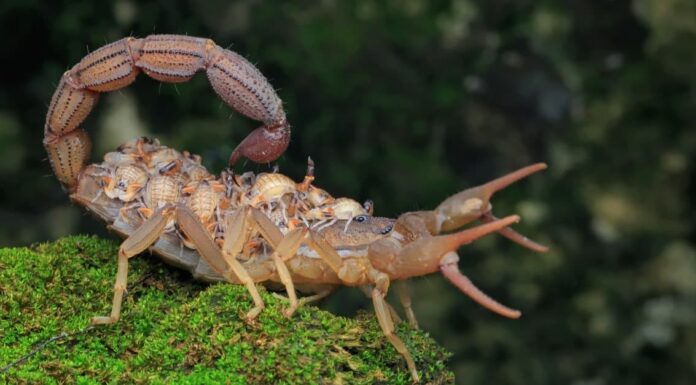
(449,268)
(422,254)
(429,254)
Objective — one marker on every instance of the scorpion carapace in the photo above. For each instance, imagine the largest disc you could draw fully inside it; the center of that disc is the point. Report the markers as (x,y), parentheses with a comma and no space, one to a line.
(251,228)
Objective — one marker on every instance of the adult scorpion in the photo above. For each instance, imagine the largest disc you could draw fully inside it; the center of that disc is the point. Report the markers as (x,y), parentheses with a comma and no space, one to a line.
(248,229)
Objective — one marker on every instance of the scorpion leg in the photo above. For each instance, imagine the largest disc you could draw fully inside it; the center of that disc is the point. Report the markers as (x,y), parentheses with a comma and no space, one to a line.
(286,250)
(361,270)
(238,230)
(266,227)
(387,324)
(367,290)
(405,299)
(316,297)
(309,298)
(224,265)
(136,243)
(240,226)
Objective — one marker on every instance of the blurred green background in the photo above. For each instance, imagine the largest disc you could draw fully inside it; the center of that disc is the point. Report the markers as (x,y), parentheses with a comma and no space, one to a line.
(407,102)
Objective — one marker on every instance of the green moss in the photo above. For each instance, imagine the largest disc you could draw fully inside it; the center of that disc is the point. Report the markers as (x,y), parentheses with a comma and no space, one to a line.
(175,330)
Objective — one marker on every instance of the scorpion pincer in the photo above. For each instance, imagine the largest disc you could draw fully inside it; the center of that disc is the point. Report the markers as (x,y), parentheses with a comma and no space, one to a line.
(248,229)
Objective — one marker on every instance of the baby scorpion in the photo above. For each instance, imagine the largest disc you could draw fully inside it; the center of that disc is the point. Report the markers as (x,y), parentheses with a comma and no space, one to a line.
(158,198)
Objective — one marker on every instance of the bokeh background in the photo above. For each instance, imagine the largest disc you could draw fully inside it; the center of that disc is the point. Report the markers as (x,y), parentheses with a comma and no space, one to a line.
(407,102)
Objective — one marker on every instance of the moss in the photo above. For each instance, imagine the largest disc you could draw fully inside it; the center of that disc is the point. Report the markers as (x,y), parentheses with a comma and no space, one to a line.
(175,330)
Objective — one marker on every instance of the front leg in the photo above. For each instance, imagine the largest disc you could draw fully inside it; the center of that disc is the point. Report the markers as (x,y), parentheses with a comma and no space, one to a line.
(359,271)
(387,325)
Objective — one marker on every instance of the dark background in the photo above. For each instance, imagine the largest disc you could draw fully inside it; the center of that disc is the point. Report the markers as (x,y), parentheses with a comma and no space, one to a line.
(407,102)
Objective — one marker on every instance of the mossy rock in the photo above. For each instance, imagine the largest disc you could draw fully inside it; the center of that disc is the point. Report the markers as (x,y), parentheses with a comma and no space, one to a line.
(176,330)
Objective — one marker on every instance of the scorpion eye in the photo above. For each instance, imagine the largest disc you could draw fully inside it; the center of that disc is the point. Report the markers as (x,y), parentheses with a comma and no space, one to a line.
(360,218)
(387,229)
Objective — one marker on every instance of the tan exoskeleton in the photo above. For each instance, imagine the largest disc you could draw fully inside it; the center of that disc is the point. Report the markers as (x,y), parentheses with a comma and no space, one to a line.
(204,198)
(158,198)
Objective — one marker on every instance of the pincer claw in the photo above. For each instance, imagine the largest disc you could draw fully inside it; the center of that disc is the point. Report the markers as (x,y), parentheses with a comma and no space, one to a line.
(423,255)
(511,234)
(449,268)
(474,203)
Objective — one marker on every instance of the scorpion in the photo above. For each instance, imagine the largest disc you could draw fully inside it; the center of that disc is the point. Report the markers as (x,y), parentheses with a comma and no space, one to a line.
(248,229)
